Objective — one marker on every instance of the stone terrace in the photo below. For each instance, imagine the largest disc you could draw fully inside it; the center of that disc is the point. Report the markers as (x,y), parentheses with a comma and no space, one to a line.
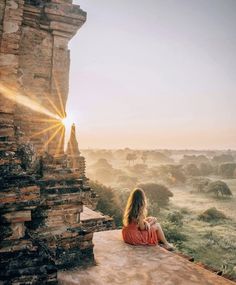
(120,263)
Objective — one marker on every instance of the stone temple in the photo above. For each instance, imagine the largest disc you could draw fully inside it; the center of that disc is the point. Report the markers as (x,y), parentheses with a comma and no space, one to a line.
(47,212)
(43,190)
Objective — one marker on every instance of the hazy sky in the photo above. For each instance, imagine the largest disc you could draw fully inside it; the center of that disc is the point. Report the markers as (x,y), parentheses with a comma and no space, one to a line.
(155,74)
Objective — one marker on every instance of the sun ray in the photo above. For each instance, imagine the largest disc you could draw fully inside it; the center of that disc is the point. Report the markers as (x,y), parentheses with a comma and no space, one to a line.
(55,119)
(59,96)
(46,130)
(52,136)
(60,114)
(60,141)
(44,120)
(23,100)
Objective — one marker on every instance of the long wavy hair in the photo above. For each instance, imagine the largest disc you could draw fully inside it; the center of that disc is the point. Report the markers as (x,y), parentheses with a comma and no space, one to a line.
(136,207)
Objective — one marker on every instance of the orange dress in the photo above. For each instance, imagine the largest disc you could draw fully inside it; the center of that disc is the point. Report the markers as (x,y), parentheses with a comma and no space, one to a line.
(133,235)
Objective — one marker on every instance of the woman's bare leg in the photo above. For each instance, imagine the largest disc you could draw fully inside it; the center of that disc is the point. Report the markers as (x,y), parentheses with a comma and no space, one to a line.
(161,235)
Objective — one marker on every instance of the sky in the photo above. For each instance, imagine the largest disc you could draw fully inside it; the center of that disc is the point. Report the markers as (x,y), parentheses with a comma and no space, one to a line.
(155,74)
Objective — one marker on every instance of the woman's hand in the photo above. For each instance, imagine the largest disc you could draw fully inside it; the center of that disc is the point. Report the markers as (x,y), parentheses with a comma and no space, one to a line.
(151,220)
(147,225)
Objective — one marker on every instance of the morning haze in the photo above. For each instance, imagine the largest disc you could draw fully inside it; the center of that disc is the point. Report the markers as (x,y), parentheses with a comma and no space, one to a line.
(155,74)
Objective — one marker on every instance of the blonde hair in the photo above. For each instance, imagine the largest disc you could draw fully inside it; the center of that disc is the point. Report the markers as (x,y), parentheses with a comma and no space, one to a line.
(136,207)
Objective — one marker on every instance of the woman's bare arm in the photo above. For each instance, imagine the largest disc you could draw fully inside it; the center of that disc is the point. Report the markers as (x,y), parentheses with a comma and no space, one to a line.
(143,225)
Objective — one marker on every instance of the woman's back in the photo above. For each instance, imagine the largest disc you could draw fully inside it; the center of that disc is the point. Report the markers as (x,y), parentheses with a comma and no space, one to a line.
(132,234)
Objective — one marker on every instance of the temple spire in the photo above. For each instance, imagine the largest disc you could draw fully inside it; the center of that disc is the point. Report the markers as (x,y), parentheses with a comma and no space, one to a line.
(72,146)
(76,161)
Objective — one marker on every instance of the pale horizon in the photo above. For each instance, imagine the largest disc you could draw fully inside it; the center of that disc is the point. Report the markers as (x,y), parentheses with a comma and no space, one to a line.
(155,75)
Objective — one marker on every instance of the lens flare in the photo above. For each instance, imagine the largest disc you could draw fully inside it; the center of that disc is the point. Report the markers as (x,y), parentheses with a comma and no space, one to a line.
(26,101)
(67,121)
(57,123)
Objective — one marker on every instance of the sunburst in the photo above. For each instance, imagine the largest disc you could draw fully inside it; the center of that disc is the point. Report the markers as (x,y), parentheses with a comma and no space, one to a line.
(56,121)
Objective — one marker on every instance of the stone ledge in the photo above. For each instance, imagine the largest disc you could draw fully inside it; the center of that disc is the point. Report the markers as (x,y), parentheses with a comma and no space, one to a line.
(120,263)
(95,221)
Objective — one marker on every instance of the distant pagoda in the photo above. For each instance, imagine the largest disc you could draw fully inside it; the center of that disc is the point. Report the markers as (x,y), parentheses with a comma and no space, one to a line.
(76,161)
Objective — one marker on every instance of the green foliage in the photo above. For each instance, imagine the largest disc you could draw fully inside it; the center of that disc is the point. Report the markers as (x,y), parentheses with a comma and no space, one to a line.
(153,208)
(156,193)
(159,157)
(108,202)
(144,157)
(219,188)
(185,211)
(131,157)
(176,218)
(173,233)
(206,168)
(172,174)
(104,175)
(212,215)
(194,159)
(222,158)
(122,197)
(200,184)
(102,163)
(139,169)
(127,181)
(191,170)
(227,170)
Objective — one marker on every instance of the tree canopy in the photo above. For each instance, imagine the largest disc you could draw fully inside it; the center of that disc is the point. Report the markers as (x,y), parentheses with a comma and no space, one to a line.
(219,188)
(157,193)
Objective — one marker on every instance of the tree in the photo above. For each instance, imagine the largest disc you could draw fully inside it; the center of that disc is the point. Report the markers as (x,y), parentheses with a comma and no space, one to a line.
(205,168)
(127,181)
(212,214)
(102,162)
(160,157)
(144,157)
(192,170)
(222,158)
(104,175)
(227,170)
(156,193)
(138,169)
(172,174)
(201,184)
(134,157)
(108,203)
(219,188)
(129,157)
(196,159)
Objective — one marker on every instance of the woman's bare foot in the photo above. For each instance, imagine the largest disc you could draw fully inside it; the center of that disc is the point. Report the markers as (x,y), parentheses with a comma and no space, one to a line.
(168,246)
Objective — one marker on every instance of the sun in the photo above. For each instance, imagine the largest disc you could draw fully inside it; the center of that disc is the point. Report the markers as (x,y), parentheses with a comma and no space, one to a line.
(68,121)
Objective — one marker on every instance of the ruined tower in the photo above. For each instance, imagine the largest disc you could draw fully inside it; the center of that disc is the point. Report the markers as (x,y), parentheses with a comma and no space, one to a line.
(35,60)
(42,195)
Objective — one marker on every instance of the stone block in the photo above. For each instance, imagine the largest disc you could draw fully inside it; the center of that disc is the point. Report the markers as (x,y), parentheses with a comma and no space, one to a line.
(7,132)
(18,216)
(10,27)
(30,190)
(18,231)
(8,60)
(63,28)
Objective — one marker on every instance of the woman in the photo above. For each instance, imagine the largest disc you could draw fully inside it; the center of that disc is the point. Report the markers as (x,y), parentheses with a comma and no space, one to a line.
(139,229)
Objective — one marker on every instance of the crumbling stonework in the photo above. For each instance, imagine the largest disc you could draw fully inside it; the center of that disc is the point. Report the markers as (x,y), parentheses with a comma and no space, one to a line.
(41,193)
(22,260)
(35,59)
